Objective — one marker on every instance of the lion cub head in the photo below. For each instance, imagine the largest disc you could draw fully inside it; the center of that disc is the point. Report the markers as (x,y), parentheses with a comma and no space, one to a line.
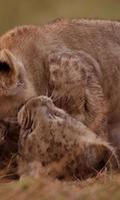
(15,87)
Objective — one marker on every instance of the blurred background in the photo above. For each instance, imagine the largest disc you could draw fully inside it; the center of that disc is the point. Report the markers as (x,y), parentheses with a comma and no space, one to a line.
(14,12)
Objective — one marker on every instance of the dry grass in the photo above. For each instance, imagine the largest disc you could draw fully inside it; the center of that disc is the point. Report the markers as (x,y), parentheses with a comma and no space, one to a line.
(104,186)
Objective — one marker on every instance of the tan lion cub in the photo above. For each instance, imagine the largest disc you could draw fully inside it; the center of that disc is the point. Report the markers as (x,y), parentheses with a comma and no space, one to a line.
(64,146)
(76,62)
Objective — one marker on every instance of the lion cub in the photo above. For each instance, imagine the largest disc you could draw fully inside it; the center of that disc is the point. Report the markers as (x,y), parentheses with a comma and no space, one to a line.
(52,139)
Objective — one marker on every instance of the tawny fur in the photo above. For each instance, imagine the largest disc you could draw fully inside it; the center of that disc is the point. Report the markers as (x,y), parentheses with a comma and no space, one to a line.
(61,144)
(76,62)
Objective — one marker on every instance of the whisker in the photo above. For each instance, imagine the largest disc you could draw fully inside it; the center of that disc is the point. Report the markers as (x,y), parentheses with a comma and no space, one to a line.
(56,98)
(52,94)
(46,92)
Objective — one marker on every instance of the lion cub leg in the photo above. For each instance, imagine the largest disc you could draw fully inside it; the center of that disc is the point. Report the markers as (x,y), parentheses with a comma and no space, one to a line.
(62,145)
(76,81)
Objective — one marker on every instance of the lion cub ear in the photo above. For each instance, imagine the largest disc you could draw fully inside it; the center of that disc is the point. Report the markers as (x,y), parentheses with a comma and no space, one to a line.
(9,72)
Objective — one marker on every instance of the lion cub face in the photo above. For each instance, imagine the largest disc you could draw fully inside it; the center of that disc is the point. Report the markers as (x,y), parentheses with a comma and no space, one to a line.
(15,88)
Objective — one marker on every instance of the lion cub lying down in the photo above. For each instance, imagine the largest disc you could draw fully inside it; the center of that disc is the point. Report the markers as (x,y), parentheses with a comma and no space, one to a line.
(52,139)
(51,142)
